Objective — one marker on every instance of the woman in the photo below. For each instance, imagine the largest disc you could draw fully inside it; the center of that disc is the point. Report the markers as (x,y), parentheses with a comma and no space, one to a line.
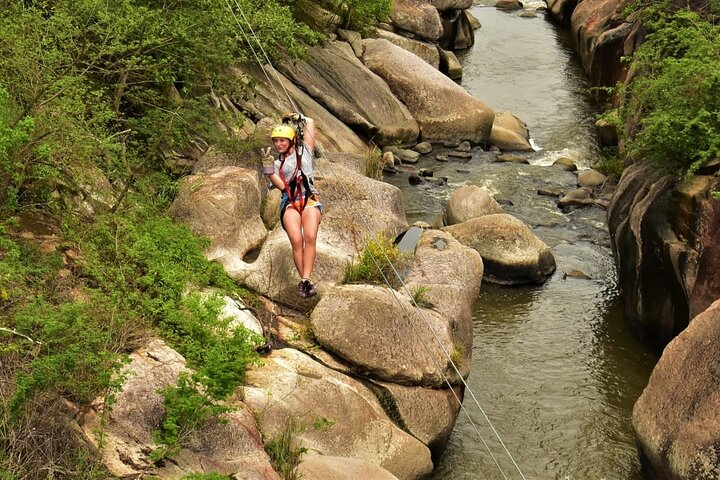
(300,207)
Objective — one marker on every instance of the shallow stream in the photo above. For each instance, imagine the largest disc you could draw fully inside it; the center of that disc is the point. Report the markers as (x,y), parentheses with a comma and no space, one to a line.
(555,367)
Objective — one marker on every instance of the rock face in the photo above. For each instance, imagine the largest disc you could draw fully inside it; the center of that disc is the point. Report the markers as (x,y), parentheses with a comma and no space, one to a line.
(269,100)
(511,253)
(335,415)
(444,110)
(452,273)
(334,76)
(561,10)
(223,205)
(665,248)
(458,31)
(127,438)
(600,33)
(424,50)
(428,414)
(443,5)
(677,417)
(324,467)
(417,17)
(369,326)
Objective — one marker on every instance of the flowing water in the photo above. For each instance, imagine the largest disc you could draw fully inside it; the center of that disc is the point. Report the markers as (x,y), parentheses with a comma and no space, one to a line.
(555,367)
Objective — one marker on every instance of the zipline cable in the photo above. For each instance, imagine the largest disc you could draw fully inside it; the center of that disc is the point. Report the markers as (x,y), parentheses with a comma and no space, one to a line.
(397,274)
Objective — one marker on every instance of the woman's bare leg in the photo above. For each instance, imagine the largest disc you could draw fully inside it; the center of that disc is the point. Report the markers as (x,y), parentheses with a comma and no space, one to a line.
(293,227)
(310,222)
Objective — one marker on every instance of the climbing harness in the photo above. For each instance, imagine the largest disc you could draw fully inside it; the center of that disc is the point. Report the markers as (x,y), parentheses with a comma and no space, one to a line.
(299,187)
(402,283)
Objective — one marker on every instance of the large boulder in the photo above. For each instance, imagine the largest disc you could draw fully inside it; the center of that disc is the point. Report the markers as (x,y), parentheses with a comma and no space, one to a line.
(222,204)
(452,274)
(470,201)
(510,133)
(444,110)
(428,414)
(677,417)
(417,17)
(664,242)
(334,414)
(356,208)
(511,253)
(379,331)
(268,100)
(424,50)
(124,433)
(334,76)
(458,31)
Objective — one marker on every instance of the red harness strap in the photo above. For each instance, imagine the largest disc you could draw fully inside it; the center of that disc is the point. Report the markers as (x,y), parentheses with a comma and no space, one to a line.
(297,182)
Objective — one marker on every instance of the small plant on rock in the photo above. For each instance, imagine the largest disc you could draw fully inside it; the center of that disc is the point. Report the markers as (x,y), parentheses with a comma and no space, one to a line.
(285,452)
(378,262)
(419,296)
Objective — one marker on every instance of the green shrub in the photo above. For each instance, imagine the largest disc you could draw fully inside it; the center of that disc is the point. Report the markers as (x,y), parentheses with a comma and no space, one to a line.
(205,476)
(673,97)
(378,261)
(360,15)
(611,164)
(186,408)
(111,85)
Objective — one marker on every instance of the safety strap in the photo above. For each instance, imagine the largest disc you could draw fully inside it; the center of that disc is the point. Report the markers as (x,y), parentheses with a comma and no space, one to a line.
(298,180)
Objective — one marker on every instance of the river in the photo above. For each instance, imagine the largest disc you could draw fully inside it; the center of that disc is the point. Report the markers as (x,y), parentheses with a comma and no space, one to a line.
(555,367)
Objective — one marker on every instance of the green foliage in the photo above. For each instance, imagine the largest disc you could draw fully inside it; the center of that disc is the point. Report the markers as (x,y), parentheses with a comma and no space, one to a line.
(219,353)
(377,262)
(205,476)
(186,408)
(419,296)
(457,355)
(130,273)
(285,452)
(360,15)
(74,359)
(111,85)
(674,94)
(611,164)
(13,134)
(323,424)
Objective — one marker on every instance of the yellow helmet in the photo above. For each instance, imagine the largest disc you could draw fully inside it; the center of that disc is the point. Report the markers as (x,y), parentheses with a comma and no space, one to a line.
(283,131)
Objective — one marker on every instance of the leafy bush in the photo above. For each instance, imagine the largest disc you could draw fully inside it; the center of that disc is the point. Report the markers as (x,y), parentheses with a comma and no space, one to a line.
(186,408)
(377,263)
(111,85)
(673,97)
(126,281)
